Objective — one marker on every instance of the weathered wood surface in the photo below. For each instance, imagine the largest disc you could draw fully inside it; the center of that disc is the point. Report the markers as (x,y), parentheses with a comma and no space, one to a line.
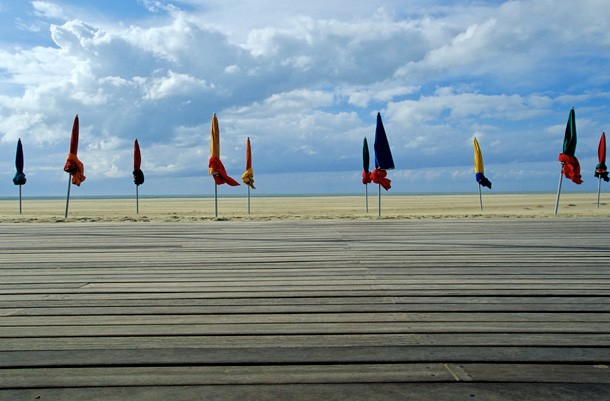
(432,309)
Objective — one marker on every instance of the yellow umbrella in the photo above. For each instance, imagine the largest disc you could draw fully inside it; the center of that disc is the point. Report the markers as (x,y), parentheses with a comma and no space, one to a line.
(480,170)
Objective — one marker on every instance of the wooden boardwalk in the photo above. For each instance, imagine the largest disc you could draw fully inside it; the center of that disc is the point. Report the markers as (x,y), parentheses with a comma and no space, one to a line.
(485,309)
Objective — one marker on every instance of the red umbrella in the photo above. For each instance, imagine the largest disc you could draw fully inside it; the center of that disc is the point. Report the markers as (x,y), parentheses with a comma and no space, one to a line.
(601,170)
(73,166)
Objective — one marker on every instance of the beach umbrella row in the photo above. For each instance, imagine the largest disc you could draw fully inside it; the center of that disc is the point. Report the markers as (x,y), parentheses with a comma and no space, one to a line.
(75,168)
(570,167)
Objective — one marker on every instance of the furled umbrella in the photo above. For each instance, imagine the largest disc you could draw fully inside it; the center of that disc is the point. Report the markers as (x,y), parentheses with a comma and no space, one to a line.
(601,170)
(570,167)
(19,178)
(73,166)
(383,160)
(248,176)
(479,170)
(366,174)
(217,170)
(138,175)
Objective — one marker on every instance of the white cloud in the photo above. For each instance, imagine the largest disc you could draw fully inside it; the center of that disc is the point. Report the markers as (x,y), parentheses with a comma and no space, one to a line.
(48,10)
(468,105)
(305,82)
(174,84)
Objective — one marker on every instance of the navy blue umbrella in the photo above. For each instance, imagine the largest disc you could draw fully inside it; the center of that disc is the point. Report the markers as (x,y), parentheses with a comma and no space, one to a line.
(383,160)
(19,178)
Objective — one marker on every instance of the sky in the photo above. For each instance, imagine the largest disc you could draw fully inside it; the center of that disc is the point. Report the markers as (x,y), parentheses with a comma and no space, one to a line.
(304,81)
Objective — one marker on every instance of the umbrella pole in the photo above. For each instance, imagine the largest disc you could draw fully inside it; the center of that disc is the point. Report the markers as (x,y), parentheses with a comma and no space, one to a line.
(68,197)
(215,200)
(480,197)
(599,187)
(559,190)
(379,202)
(20,199)
(248,199)
(137,201)
(366,196)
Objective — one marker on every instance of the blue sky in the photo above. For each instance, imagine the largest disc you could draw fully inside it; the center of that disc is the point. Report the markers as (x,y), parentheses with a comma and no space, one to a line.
(304,82)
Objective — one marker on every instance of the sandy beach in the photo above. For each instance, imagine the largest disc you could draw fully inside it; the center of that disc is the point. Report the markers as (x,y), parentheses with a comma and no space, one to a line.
(305,208)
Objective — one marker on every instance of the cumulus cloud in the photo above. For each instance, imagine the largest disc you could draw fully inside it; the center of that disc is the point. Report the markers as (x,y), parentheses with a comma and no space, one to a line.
(174,84)
(305,83)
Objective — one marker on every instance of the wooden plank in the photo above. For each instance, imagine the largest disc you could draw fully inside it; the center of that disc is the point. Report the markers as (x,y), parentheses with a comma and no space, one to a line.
(300,328)
(23,309)
(457,340)
(590,303)
(304,355)
(227,375)
(540,373)
(348,391)
(307,318)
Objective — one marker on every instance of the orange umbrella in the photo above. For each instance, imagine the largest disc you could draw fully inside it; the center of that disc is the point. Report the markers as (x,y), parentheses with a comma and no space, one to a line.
(248,176)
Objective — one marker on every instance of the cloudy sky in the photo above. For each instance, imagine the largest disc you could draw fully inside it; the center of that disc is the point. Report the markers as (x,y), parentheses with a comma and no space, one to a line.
(304,80)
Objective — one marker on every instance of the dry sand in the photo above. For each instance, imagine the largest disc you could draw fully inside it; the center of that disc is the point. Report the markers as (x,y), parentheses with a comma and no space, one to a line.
(300,208)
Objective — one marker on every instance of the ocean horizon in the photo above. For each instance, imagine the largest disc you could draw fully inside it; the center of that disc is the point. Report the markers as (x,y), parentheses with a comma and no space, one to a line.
(271,195)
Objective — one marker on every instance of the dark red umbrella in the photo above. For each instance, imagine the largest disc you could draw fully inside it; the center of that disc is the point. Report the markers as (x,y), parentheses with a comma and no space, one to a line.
(74,166)
(138,175)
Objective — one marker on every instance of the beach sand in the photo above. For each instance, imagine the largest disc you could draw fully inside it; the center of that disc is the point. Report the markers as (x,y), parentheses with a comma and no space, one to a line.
(303,208)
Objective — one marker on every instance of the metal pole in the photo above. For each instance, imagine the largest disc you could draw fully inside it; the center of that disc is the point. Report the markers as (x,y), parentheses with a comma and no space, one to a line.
(20,200)
(480,197)
(599,187)
(137,201)
(559,190)
(366,197)
(215,200)
(379,203)
(248,199)
(68,197)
